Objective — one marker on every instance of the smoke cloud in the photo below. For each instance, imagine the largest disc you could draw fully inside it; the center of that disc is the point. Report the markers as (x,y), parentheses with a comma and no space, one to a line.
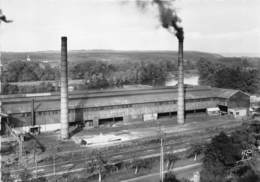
(167,15)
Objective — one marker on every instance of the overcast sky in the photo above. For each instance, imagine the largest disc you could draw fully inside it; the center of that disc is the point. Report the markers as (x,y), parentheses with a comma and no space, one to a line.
(230,26)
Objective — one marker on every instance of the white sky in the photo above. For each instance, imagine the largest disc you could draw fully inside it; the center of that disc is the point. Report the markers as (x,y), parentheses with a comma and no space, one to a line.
(210,25)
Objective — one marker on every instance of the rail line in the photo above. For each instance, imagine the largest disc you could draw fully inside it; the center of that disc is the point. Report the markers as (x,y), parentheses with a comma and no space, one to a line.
(145,152)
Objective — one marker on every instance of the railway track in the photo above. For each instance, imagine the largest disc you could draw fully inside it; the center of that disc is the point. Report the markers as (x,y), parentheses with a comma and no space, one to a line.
(79,162)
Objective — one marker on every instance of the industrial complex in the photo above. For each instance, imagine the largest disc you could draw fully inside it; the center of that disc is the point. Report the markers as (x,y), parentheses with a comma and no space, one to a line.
(122,131)
(94,108)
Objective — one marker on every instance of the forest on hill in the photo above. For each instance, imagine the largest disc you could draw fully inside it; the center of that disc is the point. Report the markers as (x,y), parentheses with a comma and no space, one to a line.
(233,73)
(115,57)
(112,69)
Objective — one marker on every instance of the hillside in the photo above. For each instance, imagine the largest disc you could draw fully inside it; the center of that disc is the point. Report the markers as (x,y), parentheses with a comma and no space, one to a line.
(77,56)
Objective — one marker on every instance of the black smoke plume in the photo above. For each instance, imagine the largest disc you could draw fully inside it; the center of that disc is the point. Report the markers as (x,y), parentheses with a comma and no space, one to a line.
(3,18)
(167,14)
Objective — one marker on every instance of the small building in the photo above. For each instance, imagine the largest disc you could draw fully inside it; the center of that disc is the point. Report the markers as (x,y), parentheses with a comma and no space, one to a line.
(238,112)
(28,59)
(236,103)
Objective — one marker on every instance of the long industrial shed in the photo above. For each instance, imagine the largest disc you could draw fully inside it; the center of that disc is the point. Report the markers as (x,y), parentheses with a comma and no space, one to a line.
(98,107)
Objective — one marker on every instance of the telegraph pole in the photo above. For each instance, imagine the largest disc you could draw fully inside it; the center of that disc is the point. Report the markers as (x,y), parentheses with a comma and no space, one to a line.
(161,155)
(53,161)
(162,161)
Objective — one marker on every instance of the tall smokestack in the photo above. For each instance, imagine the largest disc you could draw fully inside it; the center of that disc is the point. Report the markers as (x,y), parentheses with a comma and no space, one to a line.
(64,119)
(180,104)
(170,20)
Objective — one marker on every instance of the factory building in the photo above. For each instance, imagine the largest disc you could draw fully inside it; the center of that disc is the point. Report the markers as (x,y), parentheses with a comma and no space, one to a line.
(96,108)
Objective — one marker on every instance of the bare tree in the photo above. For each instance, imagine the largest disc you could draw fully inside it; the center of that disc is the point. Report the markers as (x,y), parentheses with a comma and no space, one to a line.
(170,158)
(195,150)
(98,164)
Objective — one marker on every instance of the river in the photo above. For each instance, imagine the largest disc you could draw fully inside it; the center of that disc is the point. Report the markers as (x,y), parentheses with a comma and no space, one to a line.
(191,80)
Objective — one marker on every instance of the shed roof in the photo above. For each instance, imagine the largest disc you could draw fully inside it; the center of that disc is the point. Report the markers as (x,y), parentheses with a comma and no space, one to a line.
(112,98)
(227,93)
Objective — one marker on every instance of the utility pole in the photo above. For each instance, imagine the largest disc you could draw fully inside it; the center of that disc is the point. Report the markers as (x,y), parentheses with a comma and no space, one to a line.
(20,140)
(162,161)
(53,161)
(35,160)
(32,113)
(161,155)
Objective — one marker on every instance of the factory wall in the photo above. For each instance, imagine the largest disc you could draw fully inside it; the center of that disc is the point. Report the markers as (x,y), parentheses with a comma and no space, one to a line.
(117,105)
(239,100)
(129,112)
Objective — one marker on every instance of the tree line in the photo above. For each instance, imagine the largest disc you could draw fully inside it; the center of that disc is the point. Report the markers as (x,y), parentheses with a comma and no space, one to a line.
(96,75)
(20,71)
(233,158)
(233,73)
(104,75)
